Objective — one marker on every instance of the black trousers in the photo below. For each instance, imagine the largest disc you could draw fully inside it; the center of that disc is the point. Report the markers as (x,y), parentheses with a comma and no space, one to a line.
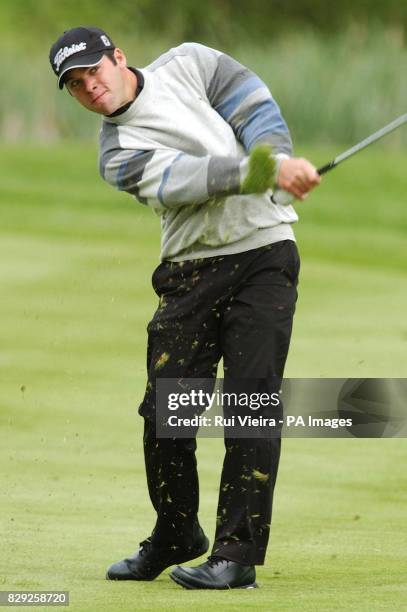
(239,307)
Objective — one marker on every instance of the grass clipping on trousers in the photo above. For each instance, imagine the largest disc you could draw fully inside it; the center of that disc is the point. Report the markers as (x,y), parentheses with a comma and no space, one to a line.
(262,168)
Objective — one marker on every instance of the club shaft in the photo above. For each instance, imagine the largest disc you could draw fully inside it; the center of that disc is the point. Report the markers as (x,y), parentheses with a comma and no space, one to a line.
(364,143)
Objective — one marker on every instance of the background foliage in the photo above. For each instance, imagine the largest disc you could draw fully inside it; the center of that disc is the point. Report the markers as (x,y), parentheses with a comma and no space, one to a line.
(217,21)
(334,68)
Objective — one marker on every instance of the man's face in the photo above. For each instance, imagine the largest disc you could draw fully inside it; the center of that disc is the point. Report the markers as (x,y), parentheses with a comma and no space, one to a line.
(102,88)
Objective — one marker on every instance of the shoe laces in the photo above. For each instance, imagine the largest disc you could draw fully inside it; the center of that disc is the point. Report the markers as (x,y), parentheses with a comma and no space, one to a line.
(145,546)
(215,560)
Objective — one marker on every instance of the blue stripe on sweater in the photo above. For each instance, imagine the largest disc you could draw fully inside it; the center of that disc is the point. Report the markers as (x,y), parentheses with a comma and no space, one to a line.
(265,119)
(164,180)
(121,175)
(228,106)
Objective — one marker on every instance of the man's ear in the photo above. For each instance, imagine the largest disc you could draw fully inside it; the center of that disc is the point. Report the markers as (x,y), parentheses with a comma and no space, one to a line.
(120,57)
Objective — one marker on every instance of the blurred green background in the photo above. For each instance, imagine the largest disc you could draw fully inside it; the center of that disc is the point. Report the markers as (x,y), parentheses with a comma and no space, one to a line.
(337,69)
(75,264)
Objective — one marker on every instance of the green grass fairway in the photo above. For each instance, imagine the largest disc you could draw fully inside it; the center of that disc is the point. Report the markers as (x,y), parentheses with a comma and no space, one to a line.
(75,266)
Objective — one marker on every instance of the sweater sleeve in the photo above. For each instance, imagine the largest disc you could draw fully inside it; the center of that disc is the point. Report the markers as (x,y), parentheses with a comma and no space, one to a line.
(242,99)
(164,178)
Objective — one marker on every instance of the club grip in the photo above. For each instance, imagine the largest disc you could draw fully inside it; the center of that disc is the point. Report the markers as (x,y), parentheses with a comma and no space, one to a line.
(284,198)
(326,168)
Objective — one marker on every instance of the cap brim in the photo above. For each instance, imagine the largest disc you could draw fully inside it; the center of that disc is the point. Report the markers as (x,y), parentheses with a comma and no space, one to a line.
(85,61)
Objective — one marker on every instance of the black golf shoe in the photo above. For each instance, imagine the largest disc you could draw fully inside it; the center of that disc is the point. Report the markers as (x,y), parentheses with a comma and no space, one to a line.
(150,560)
(216,573)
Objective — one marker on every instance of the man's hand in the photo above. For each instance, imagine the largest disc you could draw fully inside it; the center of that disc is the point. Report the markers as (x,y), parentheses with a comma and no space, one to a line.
(297,176)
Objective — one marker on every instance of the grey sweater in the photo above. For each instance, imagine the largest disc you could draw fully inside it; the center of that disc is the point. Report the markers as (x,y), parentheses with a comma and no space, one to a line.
(182,148)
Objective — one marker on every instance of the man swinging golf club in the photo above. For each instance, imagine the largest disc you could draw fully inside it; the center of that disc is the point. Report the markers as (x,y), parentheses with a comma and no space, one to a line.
(199,138)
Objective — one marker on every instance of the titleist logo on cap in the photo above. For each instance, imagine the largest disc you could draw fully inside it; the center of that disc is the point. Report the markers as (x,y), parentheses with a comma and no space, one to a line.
(67,52)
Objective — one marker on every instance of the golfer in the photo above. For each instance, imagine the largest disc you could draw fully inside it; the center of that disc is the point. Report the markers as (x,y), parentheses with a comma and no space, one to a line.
(177,135)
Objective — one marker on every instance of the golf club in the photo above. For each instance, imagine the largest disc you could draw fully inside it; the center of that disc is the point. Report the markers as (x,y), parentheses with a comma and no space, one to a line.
(283,197)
